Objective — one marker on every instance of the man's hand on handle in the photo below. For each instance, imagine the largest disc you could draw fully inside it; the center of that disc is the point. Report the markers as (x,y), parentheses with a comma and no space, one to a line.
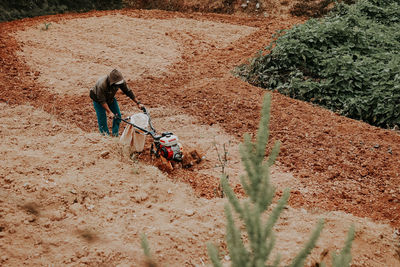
(140,106)
(111,115)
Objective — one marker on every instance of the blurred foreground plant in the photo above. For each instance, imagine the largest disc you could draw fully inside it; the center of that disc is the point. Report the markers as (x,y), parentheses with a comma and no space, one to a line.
(259,232)
(146,249)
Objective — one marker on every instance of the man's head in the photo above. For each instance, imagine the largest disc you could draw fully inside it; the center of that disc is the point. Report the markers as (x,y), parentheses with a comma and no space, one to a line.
(115,77)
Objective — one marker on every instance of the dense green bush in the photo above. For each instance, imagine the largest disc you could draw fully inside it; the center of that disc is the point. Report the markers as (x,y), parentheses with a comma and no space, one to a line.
(17,9)
(315,8)
(348,62)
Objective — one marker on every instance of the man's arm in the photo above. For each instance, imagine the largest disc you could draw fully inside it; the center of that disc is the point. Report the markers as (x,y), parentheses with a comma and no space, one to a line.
(110,114)
(124,87)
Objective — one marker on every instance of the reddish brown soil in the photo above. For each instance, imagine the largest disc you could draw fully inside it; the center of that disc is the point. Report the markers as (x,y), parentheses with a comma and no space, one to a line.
(351,166)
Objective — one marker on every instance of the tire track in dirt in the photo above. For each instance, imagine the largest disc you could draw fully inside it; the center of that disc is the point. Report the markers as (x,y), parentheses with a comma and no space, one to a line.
(349,165)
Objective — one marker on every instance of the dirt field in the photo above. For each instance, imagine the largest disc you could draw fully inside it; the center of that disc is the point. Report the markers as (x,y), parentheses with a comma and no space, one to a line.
(71,197)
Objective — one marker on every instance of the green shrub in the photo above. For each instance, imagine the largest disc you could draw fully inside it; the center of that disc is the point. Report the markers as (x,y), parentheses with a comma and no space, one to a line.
(315,8)
(347,62)
(18,9)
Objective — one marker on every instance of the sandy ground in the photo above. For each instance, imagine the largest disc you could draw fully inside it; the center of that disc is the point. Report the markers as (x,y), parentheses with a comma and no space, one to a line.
(80,200)
(95,45)
(72,197)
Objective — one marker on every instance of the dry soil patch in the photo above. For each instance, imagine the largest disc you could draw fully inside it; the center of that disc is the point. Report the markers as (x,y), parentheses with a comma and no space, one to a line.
(73,53)
(82,201)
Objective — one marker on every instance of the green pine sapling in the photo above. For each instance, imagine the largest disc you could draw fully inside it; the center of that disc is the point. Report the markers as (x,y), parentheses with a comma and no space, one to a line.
(256,184)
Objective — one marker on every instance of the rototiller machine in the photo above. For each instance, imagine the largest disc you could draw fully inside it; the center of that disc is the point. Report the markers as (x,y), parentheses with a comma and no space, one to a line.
(165,146)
